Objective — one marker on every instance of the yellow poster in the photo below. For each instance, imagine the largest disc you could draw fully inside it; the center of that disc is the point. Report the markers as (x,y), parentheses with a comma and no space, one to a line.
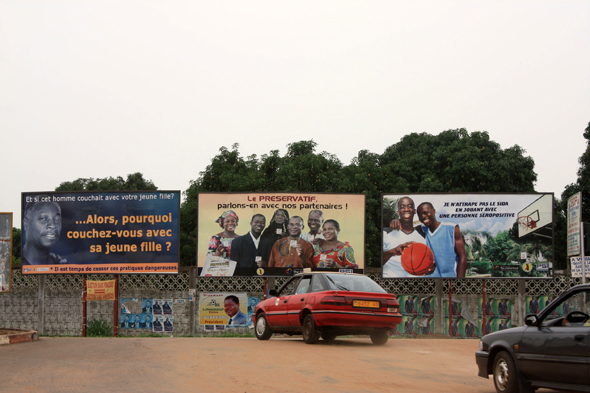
(230,309)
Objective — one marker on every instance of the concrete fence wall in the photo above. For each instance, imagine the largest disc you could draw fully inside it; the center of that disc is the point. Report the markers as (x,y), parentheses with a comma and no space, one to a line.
(52,305)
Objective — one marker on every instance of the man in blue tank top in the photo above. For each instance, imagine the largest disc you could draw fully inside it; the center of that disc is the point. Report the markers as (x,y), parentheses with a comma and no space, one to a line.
(445,241)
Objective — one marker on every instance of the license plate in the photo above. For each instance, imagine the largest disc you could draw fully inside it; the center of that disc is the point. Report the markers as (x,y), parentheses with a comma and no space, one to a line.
(365,303)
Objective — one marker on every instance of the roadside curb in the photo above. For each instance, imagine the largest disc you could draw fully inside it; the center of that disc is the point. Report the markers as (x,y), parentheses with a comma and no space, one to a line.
(19,337)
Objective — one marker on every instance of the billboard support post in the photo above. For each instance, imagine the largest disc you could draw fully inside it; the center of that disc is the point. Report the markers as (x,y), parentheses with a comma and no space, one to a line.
(583,254)
(115,306)
(84,289)
(483,309)
(451,308)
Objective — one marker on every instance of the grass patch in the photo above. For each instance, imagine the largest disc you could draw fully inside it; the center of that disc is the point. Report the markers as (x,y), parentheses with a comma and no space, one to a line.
(99,328)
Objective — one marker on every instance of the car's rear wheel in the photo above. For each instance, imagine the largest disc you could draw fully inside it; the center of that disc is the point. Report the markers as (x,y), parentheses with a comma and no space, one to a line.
(262,329)
(328,337)
(310,334)
(379,337)
(505,374)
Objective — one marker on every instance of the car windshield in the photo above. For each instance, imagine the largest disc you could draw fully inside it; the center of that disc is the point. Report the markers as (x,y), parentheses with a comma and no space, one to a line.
(352,282)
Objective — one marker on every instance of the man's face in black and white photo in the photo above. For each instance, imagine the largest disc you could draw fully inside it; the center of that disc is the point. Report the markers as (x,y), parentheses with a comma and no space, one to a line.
(43,225)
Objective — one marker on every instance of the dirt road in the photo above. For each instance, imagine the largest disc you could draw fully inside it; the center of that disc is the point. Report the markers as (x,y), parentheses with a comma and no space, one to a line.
(240,365)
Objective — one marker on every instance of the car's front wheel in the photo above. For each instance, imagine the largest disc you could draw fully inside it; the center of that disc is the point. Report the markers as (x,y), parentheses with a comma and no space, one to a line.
(262,329)
(505,374)
(379,337)
(310,334)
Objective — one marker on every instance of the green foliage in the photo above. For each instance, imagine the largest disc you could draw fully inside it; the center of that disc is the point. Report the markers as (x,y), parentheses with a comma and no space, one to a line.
(560,207)
(456,161)
(134,182)
(99,328)
(16,246)
(453,161)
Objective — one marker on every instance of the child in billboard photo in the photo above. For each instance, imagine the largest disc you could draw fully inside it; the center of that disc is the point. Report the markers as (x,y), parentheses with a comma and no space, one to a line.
(42,228)
(329,252)
(220,244)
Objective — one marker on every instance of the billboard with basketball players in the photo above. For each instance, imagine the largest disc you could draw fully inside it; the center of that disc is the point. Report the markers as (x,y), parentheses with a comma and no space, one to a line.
(467,235)
(279,234)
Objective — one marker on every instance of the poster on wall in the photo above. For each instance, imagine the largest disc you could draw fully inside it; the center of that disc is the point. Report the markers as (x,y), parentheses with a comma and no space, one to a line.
(5,251)
(106,232)
(279,234)
(224,309)
(467,235)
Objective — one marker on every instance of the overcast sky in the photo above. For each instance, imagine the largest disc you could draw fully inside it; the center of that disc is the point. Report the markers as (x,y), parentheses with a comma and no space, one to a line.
(108,88)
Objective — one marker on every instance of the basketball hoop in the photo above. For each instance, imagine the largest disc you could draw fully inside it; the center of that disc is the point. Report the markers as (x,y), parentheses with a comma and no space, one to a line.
(526,223)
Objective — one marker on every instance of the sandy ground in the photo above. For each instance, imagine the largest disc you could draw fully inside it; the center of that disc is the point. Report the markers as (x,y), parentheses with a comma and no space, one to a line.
(240,365)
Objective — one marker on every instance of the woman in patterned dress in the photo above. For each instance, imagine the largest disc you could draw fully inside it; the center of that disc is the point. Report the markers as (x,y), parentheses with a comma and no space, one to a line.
(330,252)
(220,244)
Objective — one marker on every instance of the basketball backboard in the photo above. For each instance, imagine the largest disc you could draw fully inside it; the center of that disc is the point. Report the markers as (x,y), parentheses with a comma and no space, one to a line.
(535,216)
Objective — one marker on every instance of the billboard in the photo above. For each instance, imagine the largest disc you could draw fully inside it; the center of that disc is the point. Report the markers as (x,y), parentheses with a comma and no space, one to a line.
(110,232)
(467,235)
(574,224)
(279,234)
(5,251)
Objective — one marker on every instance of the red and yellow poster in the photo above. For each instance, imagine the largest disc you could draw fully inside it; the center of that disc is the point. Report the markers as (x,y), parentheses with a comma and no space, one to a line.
(100,290)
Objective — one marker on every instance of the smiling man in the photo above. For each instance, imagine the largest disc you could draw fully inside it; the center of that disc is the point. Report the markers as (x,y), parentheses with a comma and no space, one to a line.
(402,235)
(42,227)
(314,222)
(231,306)
(445,241)
(248,250)
(292,251)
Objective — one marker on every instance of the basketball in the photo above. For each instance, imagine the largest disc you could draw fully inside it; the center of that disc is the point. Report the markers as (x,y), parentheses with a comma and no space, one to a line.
(418,259)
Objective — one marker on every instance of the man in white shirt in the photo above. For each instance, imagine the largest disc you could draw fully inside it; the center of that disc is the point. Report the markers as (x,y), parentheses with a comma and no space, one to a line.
(314,222)
(398,239)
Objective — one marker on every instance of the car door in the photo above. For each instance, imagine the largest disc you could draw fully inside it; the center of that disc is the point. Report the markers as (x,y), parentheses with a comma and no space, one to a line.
(277,312)
(297,301)
(555,353)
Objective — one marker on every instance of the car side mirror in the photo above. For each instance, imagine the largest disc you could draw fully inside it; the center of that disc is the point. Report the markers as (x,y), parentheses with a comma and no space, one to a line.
(273,293)
(531,320)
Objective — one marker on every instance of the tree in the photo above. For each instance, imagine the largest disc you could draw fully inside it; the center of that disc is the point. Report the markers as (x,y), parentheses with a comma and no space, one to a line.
(134,182)
(300,170)
(453,161)
(560,208)
(456,161)
(16,246)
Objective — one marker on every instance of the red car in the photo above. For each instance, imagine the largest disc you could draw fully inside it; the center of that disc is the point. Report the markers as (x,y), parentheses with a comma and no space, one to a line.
(328,305)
